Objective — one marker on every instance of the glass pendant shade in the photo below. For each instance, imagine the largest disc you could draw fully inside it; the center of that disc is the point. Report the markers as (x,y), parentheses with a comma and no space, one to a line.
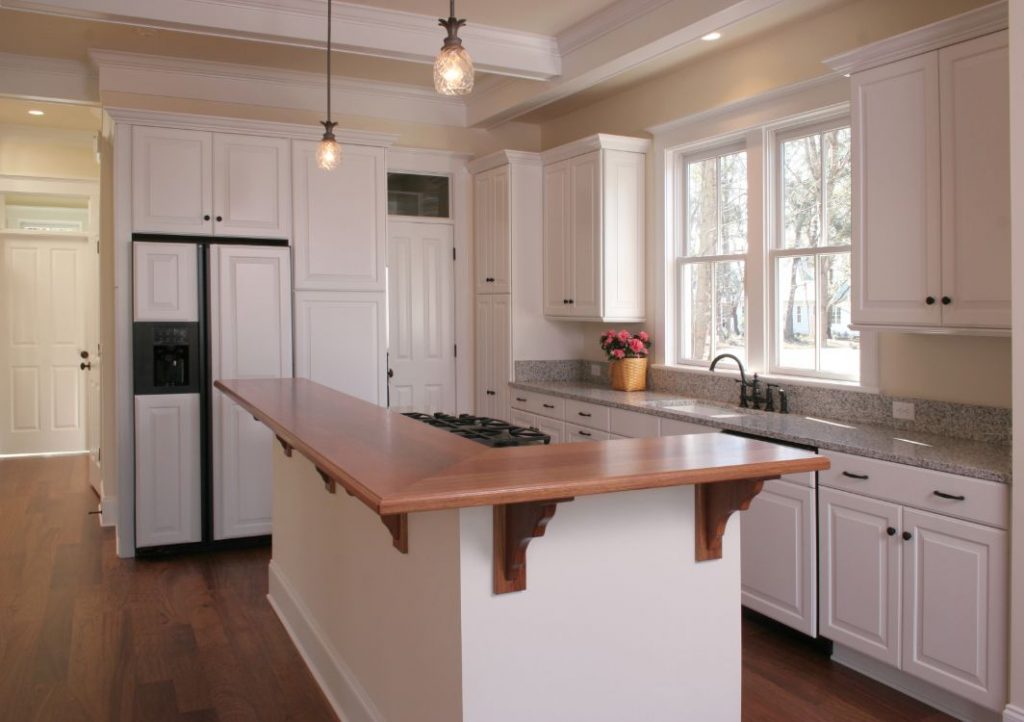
(453,71)
(328,153)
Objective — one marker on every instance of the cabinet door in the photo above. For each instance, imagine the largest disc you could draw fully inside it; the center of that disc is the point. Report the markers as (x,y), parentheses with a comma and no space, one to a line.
(974,78)
(165,282)
(502,358)
(778,560)
(167,470)
(955,606)
(585,296)
(896,264)
(172,177)
(551,427)
(483,229)
(486,334)
(340,217)
(501,232)
(860,573)
(251,177)
(557,234)
(623,274)
(251,338)
(340,342)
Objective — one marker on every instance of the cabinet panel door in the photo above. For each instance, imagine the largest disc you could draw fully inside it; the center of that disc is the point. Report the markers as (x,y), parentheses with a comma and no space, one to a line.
(251,334)
(896,265)
(551,427)
(501,233)
(557,233)
(860,573)
(955,606)
(486,334)
(974,77)
(623,237)
(165,285)
(167,470)
(779,561)
(483,229)
(340,342)
(340,218)
(251,178)
(502,358)
(585,298)
(172,177)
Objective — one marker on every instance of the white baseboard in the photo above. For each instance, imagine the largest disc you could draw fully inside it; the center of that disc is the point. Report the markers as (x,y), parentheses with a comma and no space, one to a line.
(108,511)
(348,698)
(1012,713)
(911,686)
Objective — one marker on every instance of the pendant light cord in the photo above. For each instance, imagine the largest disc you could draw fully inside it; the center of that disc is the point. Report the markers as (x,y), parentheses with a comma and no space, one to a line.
(329,3)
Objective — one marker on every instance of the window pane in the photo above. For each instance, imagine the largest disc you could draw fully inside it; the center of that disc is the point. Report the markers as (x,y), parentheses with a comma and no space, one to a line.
(702,207)
(797,312)
(840,347)
(696,288)
(731,323)
(733,176)
(801,192)
(417,195)
(837,186)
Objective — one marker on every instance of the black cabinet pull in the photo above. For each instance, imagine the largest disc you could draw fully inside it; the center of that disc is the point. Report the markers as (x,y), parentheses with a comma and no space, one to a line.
(391,373)
(218,219)
(206,217)
(583,414)
(946,300)
(585,433)
(907,536)
(490,393)
(548,406)
(891,531)
(572,301)
(851,475)
(930,300)
(520,399)
(954,497)
(565,301)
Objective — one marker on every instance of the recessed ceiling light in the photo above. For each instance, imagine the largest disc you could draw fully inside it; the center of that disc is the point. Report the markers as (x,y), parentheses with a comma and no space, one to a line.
(711,36)
(36,112)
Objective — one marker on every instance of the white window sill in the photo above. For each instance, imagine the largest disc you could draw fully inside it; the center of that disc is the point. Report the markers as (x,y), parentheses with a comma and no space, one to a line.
(733,372)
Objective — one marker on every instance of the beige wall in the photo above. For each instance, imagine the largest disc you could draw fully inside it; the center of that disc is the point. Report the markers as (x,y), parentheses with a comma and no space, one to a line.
(47,155)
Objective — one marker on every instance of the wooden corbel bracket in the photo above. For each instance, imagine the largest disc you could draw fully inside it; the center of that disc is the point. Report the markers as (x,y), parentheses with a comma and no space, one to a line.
(515,525)
(398,525)
(713,505)
(286,446)
(330,485)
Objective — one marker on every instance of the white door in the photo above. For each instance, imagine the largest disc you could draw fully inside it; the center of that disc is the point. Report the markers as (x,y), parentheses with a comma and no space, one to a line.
(339,342)
(955,606)
(167,470)
(172,177)
(483,229)
(252,182)
(251,338)
(585,299)
(340,220)
(860,573)
(501,359)
(975,123)
(501,233)
(44,283)
(486,335)
(92,360)
(421,345)
(896,264)
(557,234)
(778,558)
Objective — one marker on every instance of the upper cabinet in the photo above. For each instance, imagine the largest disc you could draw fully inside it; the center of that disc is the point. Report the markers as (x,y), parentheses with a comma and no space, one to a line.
(492,230)
(931,189)
(594,229)
(340,218)
(201,183)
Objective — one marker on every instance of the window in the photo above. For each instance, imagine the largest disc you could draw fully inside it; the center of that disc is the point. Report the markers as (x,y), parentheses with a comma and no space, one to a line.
(711,257)
(411,194)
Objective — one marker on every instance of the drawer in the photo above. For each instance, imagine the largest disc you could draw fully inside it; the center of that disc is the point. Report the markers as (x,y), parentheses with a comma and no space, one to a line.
(575,432)
(550,406)
(584,414)
(522,418)
(633,424)
(554,429)
(674,427)
(985,502)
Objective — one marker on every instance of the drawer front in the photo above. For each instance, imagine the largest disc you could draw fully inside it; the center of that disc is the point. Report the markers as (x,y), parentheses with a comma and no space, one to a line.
(522,418)
(550,406)
(574,432)
(554,429)
(584,414)
(985,502)
(674,427)
(633,424)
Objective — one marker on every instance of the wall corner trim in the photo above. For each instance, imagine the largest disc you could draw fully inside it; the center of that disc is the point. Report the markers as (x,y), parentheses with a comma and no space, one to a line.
(1013,713)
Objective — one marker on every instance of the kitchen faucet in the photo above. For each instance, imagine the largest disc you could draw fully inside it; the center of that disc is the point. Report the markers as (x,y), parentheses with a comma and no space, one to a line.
(754,401)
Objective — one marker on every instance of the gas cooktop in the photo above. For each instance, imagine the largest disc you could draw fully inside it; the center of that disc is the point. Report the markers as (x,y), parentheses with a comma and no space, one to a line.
(484,430)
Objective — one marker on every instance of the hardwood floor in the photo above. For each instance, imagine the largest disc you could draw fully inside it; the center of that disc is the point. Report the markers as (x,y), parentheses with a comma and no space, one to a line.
(87,636)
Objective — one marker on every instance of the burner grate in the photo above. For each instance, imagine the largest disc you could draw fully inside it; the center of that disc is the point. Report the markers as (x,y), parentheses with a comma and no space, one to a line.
(483,429)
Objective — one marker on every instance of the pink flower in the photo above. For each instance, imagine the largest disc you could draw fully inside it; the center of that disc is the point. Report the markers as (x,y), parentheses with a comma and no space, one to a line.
(623,335)
(643,336)
(619,353)
(636,345)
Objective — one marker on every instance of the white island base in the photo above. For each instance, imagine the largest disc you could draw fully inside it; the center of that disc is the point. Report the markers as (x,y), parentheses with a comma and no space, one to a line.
(618,622)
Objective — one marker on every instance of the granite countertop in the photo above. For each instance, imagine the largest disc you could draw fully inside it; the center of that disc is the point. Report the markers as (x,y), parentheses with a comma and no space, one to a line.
(940,453)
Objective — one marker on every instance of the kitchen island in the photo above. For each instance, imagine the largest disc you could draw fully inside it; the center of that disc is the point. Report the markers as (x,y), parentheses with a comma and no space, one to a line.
(407,593)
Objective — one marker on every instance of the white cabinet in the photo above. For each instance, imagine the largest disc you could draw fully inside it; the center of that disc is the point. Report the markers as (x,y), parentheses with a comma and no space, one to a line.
(165,281)
(199,183)
(340,220)
(251,332)
(325,325)
(492,230)
(930,189)
(594,230)
(779,570)
(167,470)
(493,354)
(575,432)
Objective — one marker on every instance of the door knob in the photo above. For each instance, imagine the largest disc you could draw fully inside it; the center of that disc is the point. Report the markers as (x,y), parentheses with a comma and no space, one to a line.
(84,354)
(85,365)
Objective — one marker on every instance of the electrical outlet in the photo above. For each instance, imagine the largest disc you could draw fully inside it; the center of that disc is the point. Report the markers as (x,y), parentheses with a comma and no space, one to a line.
(903,410)
(595,369)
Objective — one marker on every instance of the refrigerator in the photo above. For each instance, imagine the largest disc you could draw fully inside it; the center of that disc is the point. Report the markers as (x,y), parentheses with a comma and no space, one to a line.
(204,309)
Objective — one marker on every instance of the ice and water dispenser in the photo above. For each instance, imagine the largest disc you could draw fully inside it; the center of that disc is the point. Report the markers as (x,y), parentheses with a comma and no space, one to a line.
(166,357)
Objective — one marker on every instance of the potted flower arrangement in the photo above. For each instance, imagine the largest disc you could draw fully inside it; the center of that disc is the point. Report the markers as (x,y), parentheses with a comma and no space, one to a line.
(627,353)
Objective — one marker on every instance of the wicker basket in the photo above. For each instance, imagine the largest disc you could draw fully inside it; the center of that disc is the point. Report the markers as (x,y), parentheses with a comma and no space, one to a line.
(629,374)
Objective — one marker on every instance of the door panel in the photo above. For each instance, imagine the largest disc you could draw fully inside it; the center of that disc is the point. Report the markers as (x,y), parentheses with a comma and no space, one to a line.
(557,239)
(586,235)
(172,175)
(165,282)
(501,233)
(485,340)
(251,186)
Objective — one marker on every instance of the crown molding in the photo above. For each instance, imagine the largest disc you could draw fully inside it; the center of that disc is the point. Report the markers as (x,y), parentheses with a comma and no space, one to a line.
(253,85)
(966,26)
(601,141)
(604,21)
(356,28)
(41,78)
(217,123)
(61,136)
(502,158)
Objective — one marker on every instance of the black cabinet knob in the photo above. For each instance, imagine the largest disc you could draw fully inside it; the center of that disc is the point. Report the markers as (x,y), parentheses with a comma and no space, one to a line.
(565,301)
(946,300)
(891,531)
(572,300)
(218,219)
(907,536)
(206,217)
(391,373)
(930,300)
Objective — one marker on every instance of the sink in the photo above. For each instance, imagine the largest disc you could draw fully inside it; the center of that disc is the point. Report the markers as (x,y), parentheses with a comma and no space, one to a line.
(698,408)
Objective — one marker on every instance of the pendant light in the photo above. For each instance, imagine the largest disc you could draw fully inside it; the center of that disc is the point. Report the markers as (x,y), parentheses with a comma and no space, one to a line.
(453,69)
(328,153)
